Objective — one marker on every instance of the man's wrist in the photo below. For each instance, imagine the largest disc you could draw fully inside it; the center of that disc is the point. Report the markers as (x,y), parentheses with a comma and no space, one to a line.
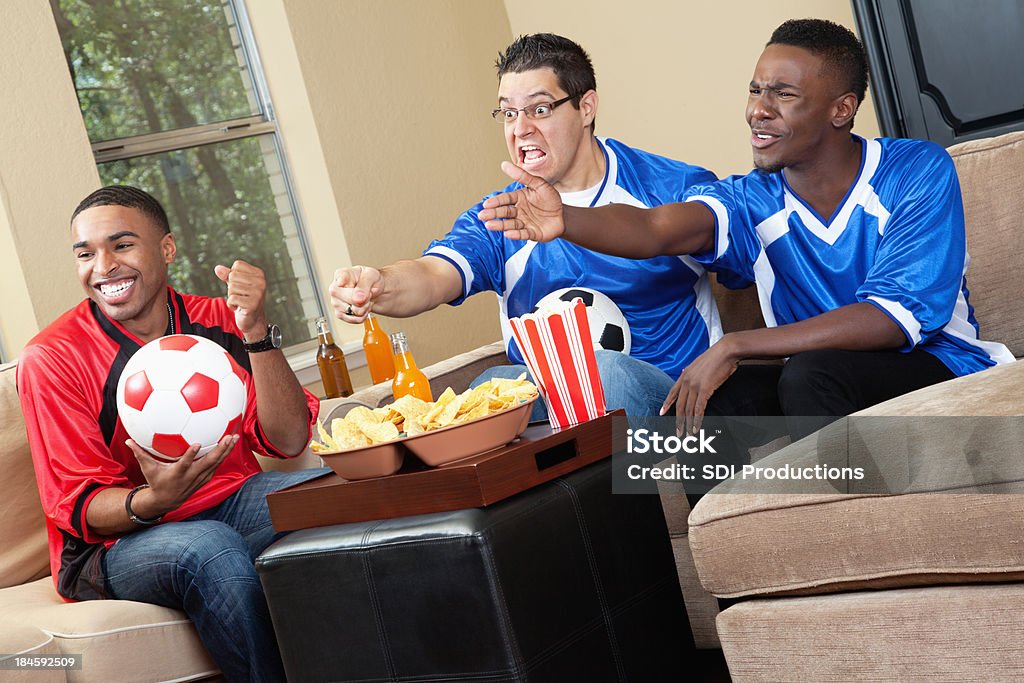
(731,344)
(268,342)
(140,506)
(381,285)
(568,214)
(255,333)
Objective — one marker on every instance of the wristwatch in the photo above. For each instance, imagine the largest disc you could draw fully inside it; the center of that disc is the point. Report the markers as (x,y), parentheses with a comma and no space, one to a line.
(269,343)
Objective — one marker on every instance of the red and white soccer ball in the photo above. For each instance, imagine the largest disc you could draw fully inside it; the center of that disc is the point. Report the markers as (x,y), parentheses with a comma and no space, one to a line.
(180,390)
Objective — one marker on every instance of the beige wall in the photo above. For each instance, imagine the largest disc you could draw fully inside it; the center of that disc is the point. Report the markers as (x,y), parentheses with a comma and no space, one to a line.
(400,92)
(300,141)
(45,169)
(673,75)
(383,111)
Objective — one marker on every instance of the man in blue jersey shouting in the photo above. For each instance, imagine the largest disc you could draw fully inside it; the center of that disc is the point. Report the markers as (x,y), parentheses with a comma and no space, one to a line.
(547,104)
(857,247)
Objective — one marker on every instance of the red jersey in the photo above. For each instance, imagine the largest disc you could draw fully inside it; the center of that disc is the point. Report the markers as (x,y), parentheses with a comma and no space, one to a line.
(67,381)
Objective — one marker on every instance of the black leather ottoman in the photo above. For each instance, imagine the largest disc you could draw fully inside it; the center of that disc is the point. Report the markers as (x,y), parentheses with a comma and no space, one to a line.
(564,582)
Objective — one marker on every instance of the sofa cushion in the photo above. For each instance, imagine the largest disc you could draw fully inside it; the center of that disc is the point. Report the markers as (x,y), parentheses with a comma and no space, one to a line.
(949,633)
(955,516)
(22,639)
(764,544)
(992,182)
(992,392)
(119,640)
(303,461)
(23,552)
(738,309)
(18,638)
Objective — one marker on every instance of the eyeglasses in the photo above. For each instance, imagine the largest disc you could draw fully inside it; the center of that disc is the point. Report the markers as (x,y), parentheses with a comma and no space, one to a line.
(534,111)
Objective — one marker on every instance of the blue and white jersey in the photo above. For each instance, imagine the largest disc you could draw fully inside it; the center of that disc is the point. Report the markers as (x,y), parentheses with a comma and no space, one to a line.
(666,301)
(896,241)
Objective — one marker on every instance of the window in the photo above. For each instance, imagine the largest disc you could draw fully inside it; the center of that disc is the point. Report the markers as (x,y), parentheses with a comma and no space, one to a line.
(173,100)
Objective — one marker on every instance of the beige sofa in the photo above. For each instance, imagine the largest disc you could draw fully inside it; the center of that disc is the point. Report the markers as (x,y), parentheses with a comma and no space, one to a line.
(118,640)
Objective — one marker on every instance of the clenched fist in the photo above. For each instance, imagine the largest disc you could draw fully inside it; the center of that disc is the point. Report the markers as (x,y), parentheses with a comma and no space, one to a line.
(247,292)
(353,290)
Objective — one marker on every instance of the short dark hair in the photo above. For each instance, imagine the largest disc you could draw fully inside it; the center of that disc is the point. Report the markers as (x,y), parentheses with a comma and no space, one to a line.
(131,197)
(569,61)
(840,48)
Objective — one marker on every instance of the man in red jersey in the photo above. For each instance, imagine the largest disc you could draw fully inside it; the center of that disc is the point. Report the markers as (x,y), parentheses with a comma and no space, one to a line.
(122,524)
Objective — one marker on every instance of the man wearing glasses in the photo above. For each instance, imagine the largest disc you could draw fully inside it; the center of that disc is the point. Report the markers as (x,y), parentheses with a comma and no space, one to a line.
(547,104)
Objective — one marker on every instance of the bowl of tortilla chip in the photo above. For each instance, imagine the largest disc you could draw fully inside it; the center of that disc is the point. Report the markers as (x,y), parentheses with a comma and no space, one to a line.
(449,444)
(361,444)
(366,442)
(476,421)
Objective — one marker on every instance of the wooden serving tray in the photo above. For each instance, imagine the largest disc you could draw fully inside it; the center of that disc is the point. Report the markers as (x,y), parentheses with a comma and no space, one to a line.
(539,455)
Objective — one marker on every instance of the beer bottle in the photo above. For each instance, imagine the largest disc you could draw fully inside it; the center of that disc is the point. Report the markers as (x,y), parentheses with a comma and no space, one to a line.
(377,347)
(331,361)
(409,379)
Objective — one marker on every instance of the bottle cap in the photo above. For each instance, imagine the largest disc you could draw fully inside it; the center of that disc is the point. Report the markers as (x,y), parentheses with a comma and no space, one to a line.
(399,342)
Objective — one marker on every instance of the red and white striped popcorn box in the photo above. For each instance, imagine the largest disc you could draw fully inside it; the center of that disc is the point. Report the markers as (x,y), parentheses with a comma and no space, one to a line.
(559,352)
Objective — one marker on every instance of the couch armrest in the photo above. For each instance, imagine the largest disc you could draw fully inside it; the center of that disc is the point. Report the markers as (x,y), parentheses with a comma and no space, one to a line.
(455,372)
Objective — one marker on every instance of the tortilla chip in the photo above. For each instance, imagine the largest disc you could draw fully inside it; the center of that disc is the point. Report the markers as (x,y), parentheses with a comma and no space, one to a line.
(362,414)
(381,432)
(348,433)
(447,416)
(328,442)
(481,410)
(407,408)
(439,405)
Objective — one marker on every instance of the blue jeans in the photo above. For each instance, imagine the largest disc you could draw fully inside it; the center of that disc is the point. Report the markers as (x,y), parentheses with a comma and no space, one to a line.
(634,385)
(204,566)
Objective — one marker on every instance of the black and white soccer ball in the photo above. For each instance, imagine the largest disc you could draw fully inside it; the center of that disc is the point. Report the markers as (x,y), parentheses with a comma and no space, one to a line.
(608,327)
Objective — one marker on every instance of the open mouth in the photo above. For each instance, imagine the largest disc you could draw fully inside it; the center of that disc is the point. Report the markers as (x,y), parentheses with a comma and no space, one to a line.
(116,290)
(530,155)
(761,139)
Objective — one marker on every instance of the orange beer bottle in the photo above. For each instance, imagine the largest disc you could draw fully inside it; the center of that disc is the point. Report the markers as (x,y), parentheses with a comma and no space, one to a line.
(377,347)
(409,379)
(331,361)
